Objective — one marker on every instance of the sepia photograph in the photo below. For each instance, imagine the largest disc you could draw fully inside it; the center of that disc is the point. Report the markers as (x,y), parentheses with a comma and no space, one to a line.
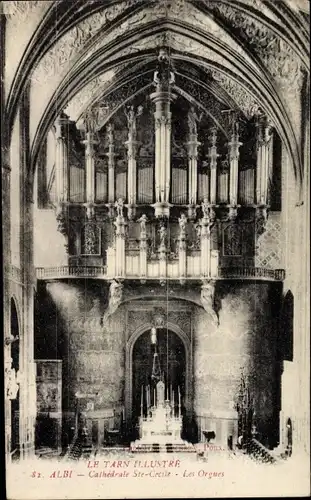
(156,248)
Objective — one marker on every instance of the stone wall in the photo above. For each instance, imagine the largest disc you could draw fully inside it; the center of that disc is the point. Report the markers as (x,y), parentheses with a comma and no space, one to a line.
(244,342)
(70,327)
(96,356)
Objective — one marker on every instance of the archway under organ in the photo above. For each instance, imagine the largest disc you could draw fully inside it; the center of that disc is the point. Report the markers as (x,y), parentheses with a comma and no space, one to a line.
(171,366)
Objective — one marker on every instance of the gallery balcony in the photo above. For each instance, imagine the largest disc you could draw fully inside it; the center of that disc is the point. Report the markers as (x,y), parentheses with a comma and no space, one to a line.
(153,273)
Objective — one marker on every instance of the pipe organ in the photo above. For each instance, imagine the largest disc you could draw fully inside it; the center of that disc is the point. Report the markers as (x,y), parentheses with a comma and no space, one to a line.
(145,183)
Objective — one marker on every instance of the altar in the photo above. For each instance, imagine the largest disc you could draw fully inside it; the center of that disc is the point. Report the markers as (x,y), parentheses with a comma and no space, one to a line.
(162,424)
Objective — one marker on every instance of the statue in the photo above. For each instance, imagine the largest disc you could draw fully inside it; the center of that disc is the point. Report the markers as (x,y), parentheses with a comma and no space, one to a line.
(193,119)
(110,133)
(160,393)
(11,381)
(119,206)
(143,220)
(207,300)
(131,120)
(205,208)
(182,224)
(163,234)
(198,230)
(115,298)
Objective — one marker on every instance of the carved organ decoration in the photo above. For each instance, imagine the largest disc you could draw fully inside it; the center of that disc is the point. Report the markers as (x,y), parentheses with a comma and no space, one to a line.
(205,227)
(90,239)
(182,247)
(120,235)
(163,79)
(115,299)
(11,380)
(143,246)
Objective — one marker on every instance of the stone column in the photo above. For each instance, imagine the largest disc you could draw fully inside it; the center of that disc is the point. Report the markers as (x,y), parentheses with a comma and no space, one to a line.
(234,146)
(162,98)
(27,365)
(263,159)
(111,164)
(61,159)
(213,166)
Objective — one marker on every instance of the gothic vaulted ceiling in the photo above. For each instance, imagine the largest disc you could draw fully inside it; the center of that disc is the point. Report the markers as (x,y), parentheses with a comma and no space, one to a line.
(226,54)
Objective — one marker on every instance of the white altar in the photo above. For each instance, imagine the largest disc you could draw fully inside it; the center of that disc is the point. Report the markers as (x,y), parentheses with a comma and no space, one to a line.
(161,425)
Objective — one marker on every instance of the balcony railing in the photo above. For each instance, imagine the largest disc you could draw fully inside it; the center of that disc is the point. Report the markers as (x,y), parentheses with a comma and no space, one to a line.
(100,272)
(59,272)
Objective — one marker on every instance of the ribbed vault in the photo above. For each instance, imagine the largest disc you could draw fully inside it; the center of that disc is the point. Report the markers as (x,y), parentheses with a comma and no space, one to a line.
(238,55)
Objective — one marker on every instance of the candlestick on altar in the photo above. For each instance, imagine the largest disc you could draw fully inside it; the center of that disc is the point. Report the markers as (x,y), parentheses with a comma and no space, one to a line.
(147,397)
(179,402)
(171,392)
(154,397)
(173,404)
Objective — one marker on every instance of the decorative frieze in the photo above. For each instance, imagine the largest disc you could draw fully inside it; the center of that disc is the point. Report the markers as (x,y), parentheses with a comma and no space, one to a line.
(67,49)
(276,54)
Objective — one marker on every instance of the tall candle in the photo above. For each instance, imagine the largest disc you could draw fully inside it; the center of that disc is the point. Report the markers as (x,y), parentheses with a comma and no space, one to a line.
(142,399)
(173,398)
(154,397)
(179,398)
